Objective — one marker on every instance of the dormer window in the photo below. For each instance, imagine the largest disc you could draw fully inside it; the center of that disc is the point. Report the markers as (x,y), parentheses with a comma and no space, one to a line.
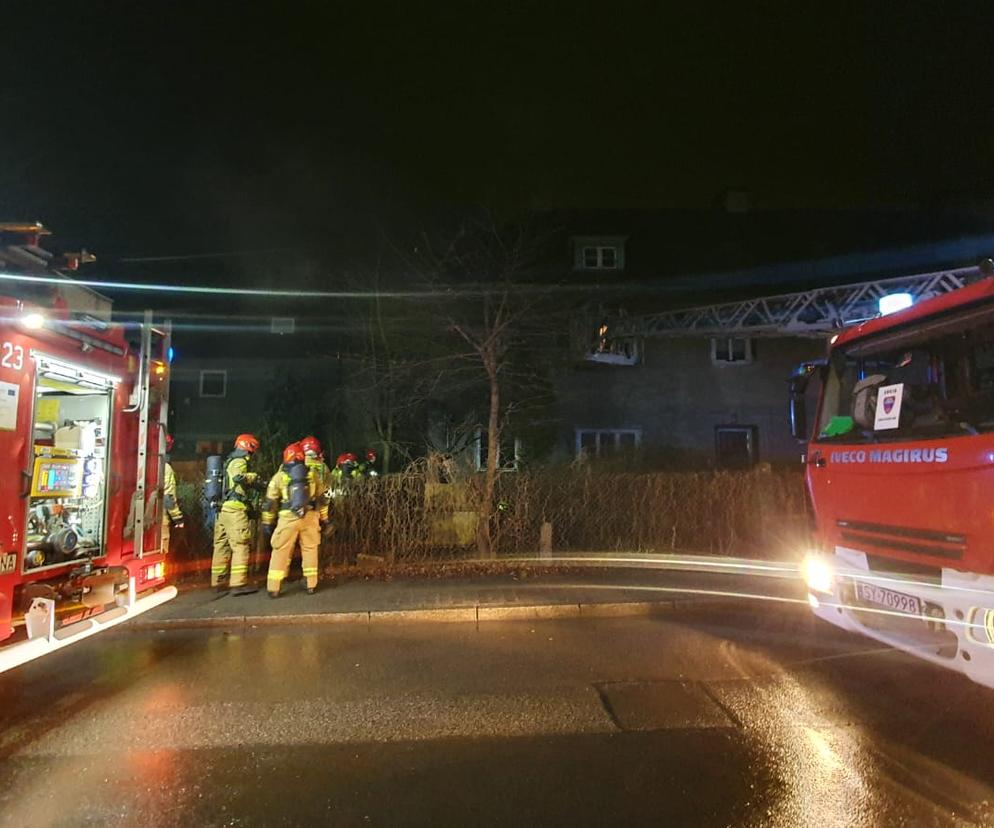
(600,258)
(599,253)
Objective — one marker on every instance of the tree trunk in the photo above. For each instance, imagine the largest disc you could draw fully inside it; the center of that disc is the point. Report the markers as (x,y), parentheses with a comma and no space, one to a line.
(387,440)
(484,540)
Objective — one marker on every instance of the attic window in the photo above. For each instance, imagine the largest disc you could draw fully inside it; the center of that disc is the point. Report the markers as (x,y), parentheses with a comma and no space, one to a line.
(282,325)
(599,253)
(600,258)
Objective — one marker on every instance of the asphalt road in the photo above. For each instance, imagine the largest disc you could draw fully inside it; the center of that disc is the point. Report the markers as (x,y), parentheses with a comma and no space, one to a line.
(754,717)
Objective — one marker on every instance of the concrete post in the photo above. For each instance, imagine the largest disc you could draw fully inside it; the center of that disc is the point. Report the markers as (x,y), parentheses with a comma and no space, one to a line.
(545,540)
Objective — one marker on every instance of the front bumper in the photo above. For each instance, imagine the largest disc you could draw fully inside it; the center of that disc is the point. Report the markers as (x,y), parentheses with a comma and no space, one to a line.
(952,631)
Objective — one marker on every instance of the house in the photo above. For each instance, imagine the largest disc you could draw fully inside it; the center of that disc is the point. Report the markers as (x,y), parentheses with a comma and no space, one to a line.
(694,321)
(670,354)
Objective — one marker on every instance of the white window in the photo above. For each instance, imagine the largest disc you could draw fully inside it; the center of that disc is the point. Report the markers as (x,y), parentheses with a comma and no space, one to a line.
(734,350)
(599,253)
(213,383)
(601,442)
(600,258)
(282,325)
(509,448)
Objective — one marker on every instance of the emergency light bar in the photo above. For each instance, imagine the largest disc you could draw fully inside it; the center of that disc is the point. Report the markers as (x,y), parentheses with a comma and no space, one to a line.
(893,302)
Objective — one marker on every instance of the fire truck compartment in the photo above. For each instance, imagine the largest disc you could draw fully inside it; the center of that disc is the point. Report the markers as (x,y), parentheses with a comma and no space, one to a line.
(67,504)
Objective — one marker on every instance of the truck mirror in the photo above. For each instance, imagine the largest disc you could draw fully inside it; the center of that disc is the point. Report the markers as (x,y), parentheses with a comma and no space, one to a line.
(798,416)
(797,385)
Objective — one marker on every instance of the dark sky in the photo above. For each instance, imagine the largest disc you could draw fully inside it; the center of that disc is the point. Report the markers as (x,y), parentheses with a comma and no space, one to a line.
(164,128)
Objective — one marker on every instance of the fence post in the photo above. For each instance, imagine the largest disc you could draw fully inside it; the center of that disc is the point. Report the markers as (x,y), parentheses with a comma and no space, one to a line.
(545,540)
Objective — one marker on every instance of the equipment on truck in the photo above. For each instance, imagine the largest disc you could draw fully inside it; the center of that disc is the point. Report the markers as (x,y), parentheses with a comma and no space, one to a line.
(83,407)
(898,468)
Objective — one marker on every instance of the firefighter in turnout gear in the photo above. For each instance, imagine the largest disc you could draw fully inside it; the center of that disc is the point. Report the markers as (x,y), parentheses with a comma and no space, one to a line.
(172,515)
(232,531)
(314,458)
(297,506)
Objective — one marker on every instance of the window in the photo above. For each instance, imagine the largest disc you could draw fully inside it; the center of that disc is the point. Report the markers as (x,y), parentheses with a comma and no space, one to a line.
(600,258)
(601,442)
(614,351)
(510,452)
(599,253)
(282,325)
(731,351)
(735,447)
(213,383)
(945,368)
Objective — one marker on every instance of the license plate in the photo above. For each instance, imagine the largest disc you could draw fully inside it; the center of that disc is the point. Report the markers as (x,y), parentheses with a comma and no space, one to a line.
(888,598)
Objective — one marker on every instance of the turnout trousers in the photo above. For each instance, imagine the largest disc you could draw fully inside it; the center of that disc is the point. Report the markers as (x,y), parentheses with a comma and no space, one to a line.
(290,529)
(232,546)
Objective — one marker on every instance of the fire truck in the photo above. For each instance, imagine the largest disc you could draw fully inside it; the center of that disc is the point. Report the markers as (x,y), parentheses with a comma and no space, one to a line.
(83,410)
(900,472)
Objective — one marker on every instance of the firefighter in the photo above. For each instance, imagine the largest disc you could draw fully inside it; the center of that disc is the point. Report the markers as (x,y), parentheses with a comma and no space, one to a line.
(298,509)
(172,515)
(346,468)
(367,468)
(314,458)
(232,531)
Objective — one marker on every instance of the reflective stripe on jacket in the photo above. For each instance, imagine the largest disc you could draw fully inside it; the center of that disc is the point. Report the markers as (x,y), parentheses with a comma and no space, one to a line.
(172,509)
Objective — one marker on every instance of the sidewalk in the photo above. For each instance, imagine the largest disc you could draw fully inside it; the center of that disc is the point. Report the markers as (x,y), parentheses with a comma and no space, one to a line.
(597,592)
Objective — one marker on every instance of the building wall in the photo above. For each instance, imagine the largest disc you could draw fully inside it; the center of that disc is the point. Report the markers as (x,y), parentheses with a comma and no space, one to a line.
(195,419)
(676,396)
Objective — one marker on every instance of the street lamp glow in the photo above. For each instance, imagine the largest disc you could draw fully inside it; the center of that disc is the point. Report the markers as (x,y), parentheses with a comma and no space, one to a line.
(893,302)
(33,321)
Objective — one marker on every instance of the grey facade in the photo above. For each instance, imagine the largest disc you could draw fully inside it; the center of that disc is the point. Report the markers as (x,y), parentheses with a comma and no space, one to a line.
(671,401)
(205,417)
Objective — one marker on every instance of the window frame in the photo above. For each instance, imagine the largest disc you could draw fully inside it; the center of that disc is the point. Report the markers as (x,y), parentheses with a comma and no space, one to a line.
(598,246)
(224,383)
(752,438)
(747,359)
(599,433)
(479,443)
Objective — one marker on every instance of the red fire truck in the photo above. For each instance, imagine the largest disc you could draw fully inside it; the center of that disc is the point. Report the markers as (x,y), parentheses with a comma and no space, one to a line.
(83,408)
(900,470)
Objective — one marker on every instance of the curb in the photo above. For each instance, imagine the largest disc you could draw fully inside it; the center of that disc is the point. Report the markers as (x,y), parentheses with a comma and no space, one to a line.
(464,615)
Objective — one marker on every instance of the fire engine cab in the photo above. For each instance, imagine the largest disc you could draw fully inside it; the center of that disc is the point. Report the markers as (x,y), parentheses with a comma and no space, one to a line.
(900,471)
(83,410)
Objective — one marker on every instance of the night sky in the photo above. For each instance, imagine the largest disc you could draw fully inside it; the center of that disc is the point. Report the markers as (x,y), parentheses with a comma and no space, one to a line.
(160,129)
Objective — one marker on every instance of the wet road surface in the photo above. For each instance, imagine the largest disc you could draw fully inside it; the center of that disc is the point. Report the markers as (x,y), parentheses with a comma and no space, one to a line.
(756,717)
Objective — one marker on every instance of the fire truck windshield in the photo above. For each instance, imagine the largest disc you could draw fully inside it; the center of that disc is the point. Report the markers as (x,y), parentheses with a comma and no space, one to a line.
(943,372)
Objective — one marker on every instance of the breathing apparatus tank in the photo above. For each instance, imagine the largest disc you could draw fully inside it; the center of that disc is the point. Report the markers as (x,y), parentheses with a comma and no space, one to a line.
(213,495)
(300,490)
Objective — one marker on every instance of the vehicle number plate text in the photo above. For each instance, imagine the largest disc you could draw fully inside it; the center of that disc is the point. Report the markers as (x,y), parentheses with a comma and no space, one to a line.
(888,598)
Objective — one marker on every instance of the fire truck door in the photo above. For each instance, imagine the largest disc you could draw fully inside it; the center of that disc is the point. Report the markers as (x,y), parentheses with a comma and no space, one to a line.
(17,377)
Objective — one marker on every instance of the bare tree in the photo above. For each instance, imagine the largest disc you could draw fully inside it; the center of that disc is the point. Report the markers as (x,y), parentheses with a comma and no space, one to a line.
(492,306)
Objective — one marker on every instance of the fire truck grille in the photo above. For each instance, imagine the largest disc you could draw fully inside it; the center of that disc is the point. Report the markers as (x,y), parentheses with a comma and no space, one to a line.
(931,542)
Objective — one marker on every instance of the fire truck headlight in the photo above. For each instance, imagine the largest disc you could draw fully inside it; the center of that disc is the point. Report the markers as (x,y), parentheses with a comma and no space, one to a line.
(33,321)
(819,574)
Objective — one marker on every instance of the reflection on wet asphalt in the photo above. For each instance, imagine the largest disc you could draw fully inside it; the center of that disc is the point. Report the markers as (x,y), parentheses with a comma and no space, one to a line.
(760,717)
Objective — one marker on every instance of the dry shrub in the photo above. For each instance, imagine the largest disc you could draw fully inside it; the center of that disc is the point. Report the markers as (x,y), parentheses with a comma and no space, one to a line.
(755,513)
